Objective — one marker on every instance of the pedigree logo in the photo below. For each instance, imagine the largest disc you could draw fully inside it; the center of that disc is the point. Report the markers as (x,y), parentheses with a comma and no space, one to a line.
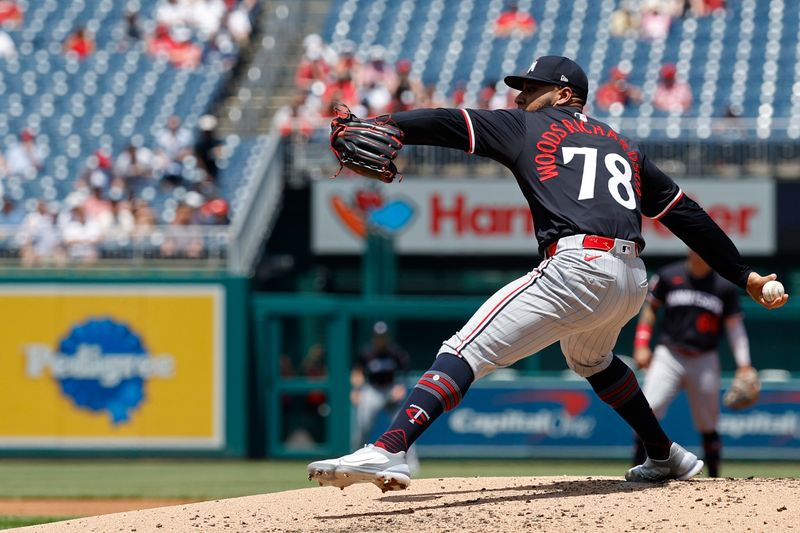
(100,365)
(459,215)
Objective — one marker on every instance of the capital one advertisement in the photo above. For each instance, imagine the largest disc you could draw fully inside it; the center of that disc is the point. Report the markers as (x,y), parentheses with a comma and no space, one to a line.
(551,418)
(111,366)
(429,216)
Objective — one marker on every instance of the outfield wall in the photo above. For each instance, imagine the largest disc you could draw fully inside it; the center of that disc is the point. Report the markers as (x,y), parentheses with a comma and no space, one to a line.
(306,416)
(547,418)
(136,365)
(161,365)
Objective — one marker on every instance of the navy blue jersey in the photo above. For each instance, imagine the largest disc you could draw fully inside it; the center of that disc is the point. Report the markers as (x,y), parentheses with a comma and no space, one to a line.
(381,363)
(577,173)
(578,176)
(694,309)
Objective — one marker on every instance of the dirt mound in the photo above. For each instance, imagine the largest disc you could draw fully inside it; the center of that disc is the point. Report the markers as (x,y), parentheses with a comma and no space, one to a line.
(73,507)
(551,504)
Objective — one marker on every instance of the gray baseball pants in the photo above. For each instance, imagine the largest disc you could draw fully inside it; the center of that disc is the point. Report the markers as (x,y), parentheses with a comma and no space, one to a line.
(670,371)
(580,297)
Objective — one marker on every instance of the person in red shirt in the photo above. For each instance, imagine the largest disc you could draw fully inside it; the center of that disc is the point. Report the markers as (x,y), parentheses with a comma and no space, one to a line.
(161,42)
(459,94)
(512,19)
(672,95)
(215,212)
(617,93)
(312,68)
(295,120)
(79,43)
(181,52)
(10,14)
(408,89)
(701,8)
(343,89)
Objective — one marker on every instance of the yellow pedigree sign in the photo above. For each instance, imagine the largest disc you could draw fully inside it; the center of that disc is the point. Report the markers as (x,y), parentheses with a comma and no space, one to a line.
(111,366)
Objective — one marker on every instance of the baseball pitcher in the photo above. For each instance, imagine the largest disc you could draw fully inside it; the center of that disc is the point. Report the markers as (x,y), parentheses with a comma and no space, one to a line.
(377,384)
(587,187)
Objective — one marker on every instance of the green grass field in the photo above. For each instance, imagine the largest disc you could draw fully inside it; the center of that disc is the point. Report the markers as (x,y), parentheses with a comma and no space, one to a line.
(208,479)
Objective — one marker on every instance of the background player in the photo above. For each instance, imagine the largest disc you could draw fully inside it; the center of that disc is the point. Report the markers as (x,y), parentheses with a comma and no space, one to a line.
(377,384)
(697,304)
(587,187)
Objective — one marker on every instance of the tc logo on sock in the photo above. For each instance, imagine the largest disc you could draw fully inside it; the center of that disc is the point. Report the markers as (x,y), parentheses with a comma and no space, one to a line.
(417,415)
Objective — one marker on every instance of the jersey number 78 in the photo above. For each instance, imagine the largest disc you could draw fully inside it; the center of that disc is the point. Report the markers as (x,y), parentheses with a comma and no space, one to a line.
(620,175)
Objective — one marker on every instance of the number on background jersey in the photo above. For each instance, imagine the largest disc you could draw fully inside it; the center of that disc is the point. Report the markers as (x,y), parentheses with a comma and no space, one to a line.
(618,168)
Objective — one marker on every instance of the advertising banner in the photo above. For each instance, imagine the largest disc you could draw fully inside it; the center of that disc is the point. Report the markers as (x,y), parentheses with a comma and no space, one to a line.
(539,418)
(112,366)
(491,217)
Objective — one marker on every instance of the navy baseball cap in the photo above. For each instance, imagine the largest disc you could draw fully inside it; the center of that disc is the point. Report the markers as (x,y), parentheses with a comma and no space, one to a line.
(555,70)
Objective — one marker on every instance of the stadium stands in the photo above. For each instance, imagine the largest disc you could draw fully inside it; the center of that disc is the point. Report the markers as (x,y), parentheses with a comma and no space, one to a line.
(86,105)
(732,68)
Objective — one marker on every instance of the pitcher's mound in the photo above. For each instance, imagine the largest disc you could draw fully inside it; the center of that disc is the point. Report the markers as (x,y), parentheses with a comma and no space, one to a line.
(547,504)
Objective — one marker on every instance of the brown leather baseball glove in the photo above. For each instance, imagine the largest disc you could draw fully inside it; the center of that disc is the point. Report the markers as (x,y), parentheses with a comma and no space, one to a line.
(744,390)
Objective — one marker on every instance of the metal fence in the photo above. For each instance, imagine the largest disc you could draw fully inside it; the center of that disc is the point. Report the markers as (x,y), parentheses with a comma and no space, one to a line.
(162,245)
(234,247)
(716,148)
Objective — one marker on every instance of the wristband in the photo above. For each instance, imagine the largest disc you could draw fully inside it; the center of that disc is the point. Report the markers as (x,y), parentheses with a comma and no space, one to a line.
(643,334)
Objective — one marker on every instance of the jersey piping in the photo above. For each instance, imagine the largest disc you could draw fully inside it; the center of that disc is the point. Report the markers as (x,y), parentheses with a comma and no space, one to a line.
(670,205)
(470,131)
(516,291)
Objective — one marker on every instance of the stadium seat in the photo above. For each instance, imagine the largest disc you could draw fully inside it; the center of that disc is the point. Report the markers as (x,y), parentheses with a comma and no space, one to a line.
(451,43)
(77,106)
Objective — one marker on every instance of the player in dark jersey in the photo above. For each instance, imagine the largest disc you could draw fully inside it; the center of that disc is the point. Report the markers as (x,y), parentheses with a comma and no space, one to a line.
(377,383)
(698,305)
(588,187)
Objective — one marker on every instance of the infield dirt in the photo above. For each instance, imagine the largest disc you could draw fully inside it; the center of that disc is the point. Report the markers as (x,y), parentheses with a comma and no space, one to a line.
(551,504)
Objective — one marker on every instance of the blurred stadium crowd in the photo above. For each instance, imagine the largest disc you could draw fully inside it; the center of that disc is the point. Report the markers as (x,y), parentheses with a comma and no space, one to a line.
(373,79)
(108,136)
(108,122)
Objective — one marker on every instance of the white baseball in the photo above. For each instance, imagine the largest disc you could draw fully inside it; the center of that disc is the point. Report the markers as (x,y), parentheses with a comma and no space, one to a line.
(772,290)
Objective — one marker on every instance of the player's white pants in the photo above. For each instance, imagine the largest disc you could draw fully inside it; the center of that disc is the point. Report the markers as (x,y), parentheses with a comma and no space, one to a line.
(669,372)
(371,401)
(581,297)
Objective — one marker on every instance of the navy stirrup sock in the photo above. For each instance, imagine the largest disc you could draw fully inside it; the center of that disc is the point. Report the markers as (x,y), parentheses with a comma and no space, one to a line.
(439,389)
(617,386)
(712,448)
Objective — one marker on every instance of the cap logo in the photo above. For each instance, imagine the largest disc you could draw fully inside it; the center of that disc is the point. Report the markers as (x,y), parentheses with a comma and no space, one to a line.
(533,66)
(564,79)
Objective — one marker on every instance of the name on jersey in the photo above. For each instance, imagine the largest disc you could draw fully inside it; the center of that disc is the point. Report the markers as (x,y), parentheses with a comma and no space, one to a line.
(550,141)
(704,300)
(381,365)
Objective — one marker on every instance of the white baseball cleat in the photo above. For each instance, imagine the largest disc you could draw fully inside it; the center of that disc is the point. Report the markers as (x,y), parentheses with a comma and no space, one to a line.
(681,464)
(389,471)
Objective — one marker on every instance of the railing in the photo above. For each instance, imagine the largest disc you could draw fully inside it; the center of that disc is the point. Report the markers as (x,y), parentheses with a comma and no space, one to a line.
(198,246)
(732,151)
(720,147)
(285,325)
(233,247)
(708,129)
(258,213)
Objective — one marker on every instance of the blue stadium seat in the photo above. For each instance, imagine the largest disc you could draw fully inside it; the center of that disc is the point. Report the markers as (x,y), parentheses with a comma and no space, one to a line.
(706,49)
(77,106)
